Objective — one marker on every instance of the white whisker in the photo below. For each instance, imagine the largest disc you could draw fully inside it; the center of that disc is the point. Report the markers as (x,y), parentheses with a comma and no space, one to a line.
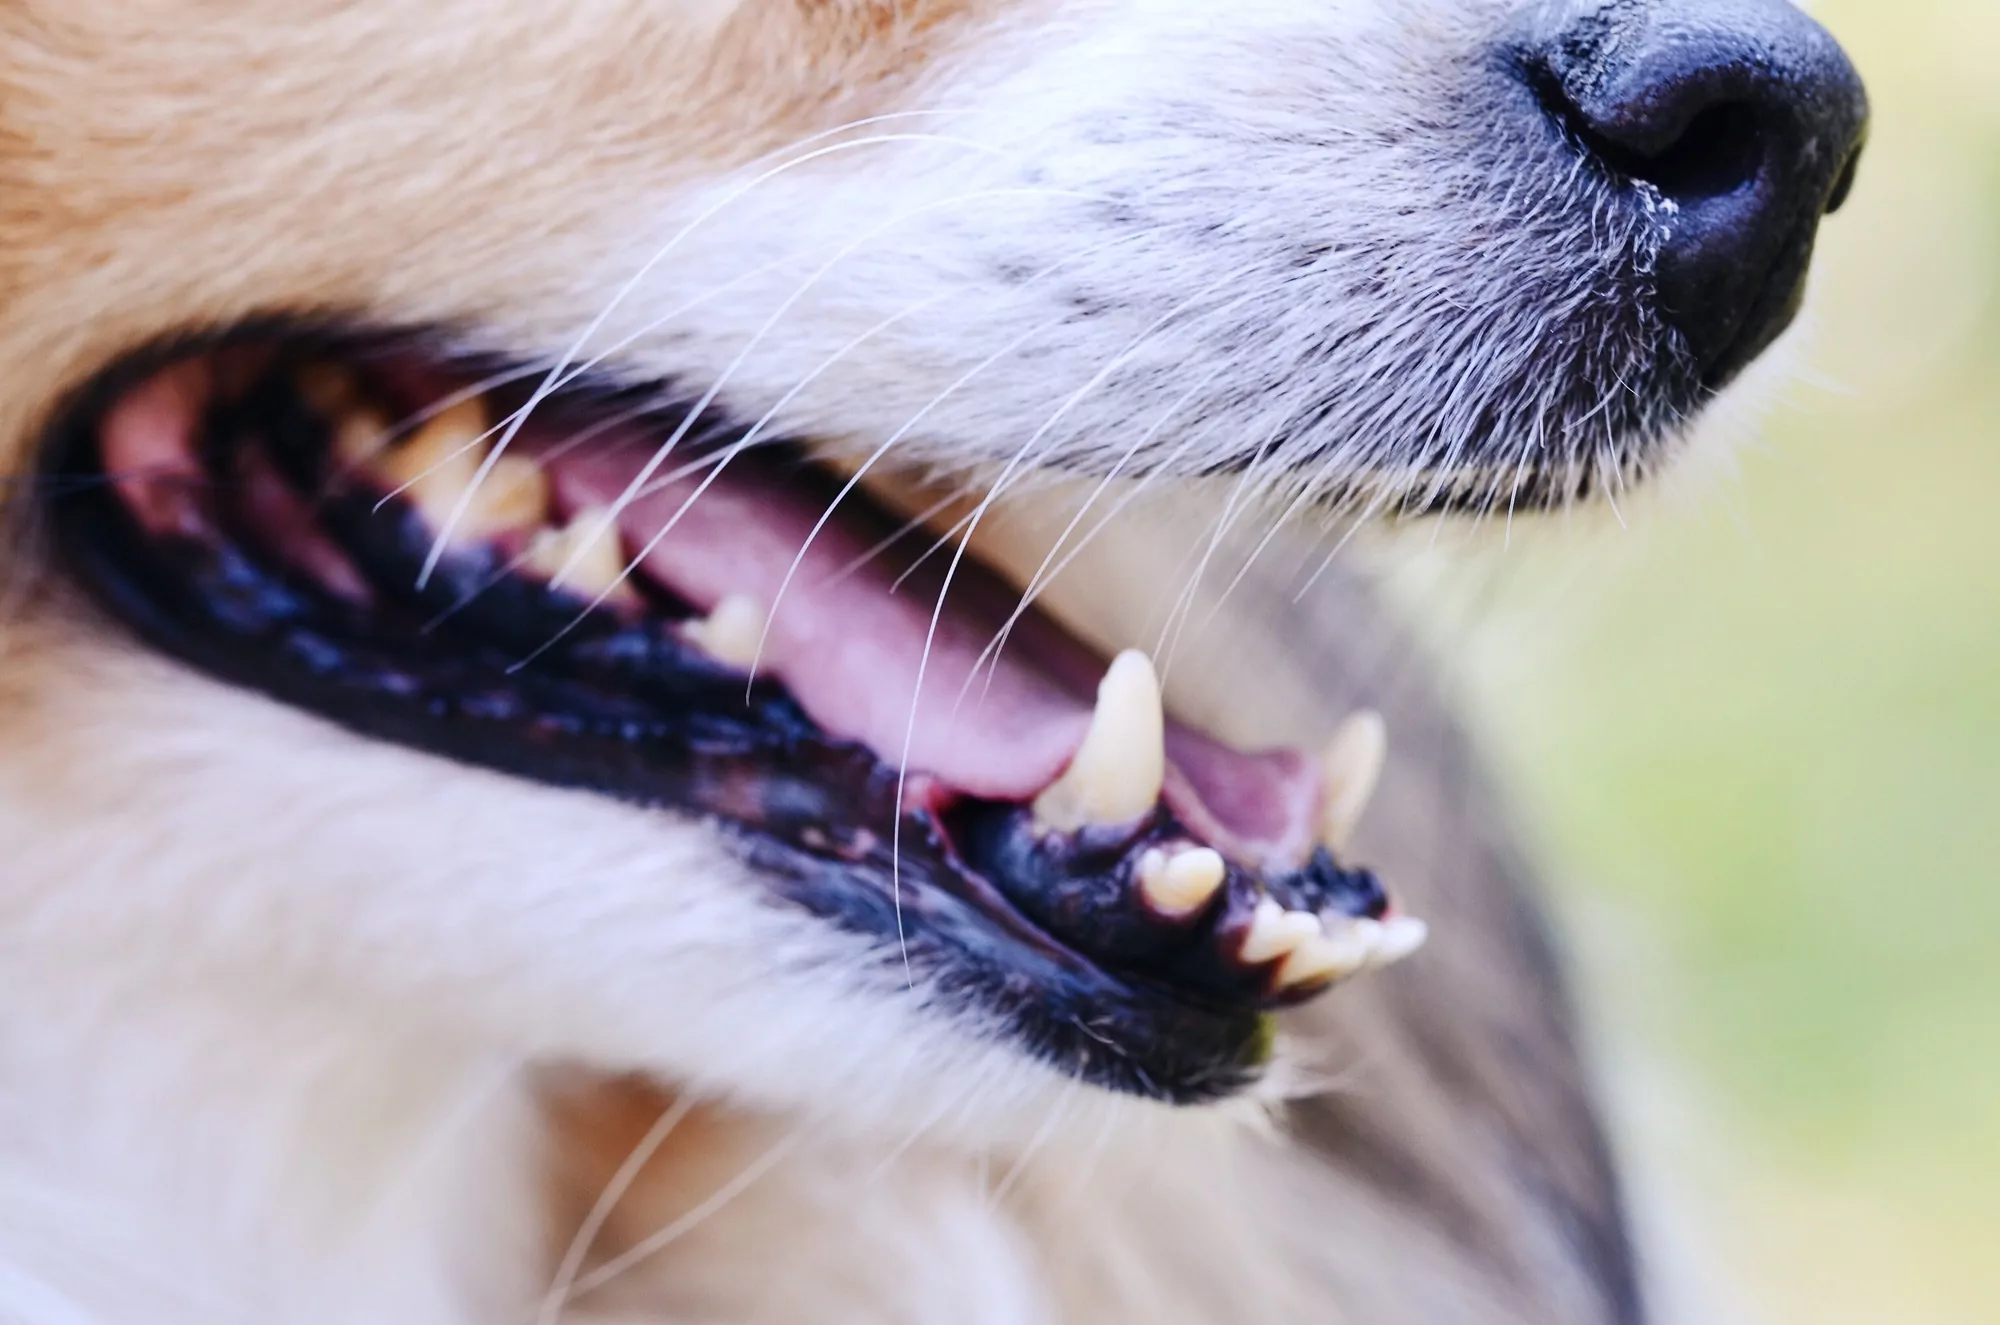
(565,1279)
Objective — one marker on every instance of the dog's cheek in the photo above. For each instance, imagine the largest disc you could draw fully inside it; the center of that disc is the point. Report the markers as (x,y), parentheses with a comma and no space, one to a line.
(172,833)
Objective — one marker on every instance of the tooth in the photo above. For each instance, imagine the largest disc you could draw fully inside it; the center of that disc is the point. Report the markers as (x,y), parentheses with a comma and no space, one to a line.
(1325,957)
(435,464)
(1182,883)
(360,438)
(732,633)
(1397,938)
(514,495)
(1116,774)
(1351,766)
(585,556)
(327,387)
(1275,932)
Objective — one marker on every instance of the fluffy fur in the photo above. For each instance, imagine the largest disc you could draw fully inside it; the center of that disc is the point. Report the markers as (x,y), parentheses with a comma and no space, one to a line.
(302,1028)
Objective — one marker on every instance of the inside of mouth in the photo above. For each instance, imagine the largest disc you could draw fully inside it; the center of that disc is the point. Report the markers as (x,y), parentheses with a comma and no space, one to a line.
(881,629)
(600,588)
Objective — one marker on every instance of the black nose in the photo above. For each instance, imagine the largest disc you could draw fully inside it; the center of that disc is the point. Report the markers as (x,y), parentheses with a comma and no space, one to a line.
(1748,119)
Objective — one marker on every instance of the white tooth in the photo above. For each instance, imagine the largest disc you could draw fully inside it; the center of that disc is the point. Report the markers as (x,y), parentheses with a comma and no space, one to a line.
(584,556)
(1275,932)
(732,633)
(1182,883)
(1332,956)
(1351,766)
(1116,774)
(1398,937)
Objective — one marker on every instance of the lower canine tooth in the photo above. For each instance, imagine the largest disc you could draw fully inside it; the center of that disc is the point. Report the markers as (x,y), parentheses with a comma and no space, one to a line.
(1116,774)
(733,633)
(1351,766)
(1275,932)
(1182,883)
(585,556)
(1398,938)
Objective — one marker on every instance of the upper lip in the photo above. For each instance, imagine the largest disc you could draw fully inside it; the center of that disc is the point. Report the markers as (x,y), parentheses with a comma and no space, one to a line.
(296,569)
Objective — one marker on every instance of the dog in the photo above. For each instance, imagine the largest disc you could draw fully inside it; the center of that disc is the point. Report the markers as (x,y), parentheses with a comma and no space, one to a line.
(686,660)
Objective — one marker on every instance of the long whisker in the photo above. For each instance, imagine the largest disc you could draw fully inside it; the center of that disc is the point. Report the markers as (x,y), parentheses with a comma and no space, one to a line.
(519,416)
(550,382)
(564,1283)
(713,1204)
(985,504)
(638,481)
(1043,574)
(909,425)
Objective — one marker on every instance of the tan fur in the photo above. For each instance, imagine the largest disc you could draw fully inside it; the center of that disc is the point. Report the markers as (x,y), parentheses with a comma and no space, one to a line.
(154,179)
(388,157)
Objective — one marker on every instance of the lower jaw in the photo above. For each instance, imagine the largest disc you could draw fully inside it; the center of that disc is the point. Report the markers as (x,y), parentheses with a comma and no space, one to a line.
(1053,932)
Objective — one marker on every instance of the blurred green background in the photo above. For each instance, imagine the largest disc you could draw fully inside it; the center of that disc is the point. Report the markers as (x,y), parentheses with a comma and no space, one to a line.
(1758,730)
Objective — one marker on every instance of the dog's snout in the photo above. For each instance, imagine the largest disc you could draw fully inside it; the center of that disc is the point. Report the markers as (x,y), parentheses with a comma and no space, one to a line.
(1748,119)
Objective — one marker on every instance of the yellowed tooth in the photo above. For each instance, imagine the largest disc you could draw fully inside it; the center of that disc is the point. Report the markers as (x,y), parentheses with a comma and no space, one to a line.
(433,466)
(514,496)
(1351,766)
(1116,774)
(360,438)
(1180,883)
(1331,956)
(585,556)
(733,633)
(1275,932)
(329,388)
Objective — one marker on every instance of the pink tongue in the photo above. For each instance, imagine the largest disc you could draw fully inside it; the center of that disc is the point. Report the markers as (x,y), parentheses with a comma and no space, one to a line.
(849,643)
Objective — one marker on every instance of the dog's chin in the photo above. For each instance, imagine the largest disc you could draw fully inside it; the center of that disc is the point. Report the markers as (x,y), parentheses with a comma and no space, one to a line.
(580,583)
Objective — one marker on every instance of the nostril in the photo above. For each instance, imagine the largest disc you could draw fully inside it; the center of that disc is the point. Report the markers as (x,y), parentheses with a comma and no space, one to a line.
(1716,150)
(1720,152)
(1745,116)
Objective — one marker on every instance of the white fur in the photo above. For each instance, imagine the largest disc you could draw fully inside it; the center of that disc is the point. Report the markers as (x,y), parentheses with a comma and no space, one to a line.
(1318,239)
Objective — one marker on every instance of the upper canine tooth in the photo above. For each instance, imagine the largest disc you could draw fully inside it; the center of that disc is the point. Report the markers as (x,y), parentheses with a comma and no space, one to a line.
(1181,883)
(733,633)
(585,556)
(1275,932)
(1117,773)
(1351,767)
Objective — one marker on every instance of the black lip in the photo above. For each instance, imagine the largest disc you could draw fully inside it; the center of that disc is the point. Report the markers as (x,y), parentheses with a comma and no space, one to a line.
(625,709)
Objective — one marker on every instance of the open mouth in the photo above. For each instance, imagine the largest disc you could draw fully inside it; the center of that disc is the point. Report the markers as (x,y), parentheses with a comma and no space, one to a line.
(596,590)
